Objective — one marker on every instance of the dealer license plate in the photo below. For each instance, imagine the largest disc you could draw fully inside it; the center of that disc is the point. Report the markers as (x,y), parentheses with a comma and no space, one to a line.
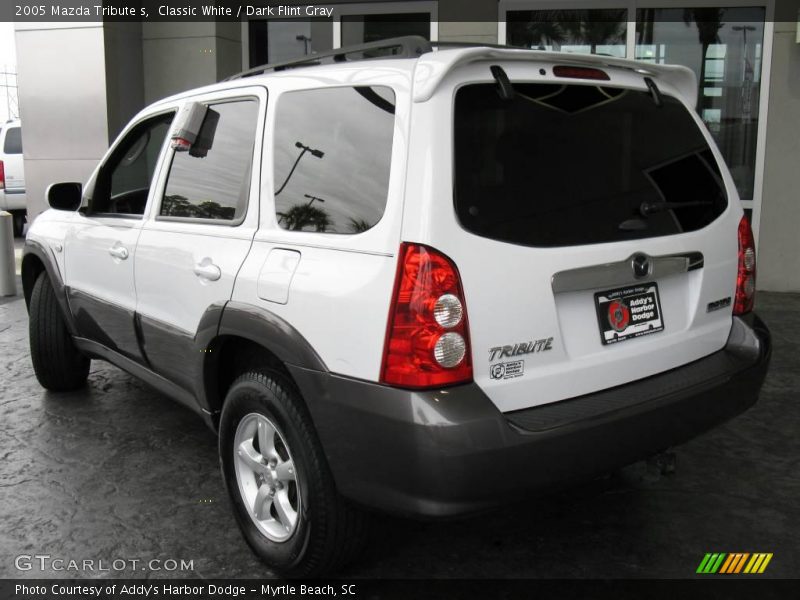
(628,312)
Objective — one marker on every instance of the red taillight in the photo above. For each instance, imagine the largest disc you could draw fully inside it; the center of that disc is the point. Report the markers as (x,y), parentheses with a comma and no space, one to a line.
(746,276)
(580,73)
(2,175)
(427,338)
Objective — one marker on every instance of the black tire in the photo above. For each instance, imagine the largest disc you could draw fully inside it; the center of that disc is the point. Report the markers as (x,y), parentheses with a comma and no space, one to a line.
(58,365)
(329,532)
(19,224)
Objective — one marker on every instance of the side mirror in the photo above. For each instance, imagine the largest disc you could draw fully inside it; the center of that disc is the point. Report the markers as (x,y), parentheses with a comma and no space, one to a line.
(65,196)
(194,128)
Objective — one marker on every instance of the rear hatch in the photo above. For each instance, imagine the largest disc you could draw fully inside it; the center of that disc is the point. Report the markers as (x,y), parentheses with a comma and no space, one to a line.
(597,238)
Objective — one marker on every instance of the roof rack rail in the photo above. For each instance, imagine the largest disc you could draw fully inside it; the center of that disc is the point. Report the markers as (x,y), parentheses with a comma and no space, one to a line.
(410,46)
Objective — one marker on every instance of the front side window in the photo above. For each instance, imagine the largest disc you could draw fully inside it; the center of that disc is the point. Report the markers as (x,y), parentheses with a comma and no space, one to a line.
(565,165)
(123,182)
(13,143)
(333,150)
(215,186)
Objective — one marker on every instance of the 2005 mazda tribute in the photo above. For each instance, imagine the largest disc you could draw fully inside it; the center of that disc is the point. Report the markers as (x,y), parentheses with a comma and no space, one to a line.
(424,282)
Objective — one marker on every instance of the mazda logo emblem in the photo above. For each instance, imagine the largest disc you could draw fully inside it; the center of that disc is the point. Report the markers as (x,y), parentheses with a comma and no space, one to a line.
(641,265)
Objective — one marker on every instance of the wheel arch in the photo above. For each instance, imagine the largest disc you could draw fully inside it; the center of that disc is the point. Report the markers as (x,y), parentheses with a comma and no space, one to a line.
(250,336)
(32,267)
(37,259)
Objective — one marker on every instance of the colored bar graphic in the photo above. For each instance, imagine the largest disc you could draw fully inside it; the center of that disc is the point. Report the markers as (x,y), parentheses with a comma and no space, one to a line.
(703,564)
(740,564)
(734,563)
(752,566)
(727,564)
(765,563)
(711,563)
(718,562)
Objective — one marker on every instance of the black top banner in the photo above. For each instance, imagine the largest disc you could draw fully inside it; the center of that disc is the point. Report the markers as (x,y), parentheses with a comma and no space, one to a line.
(41,11)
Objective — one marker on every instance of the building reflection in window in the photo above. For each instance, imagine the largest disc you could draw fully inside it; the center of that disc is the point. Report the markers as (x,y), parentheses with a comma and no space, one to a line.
(723,46)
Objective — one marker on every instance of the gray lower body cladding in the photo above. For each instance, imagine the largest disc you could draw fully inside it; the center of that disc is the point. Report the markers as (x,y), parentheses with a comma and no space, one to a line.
(451,452)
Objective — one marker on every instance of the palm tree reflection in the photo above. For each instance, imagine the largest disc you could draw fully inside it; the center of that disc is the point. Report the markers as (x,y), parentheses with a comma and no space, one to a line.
(358,225)
(557,28)
(304,217)
(708,22)
(176,205)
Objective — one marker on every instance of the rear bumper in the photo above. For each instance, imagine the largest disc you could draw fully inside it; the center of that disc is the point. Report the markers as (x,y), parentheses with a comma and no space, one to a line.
(451,452)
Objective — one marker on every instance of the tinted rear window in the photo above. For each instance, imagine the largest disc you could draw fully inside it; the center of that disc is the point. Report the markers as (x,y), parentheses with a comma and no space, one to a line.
(565,165)
(13,143)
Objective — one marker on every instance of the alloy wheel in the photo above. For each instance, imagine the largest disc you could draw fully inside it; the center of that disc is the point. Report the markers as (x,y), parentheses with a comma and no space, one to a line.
(267,477)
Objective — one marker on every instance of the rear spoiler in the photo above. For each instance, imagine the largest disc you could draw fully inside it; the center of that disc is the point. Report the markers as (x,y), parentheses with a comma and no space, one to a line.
(432,67)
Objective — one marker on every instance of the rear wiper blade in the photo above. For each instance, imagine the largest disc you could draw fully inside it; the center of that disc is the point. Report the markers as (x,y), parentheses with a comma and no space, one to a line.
(504,87)
(650,208)
(655,93)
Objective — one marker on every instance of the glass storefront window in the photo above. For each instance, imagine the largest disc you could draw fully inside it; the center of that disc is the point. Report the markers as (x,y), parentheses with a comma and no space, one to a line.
(723,46)
(361,29)
(278,40)
(589,31)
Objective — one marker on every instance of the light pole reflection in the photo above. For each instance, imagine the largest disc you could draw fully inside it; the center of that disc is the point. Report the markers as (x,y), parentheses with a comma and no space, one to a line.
(312,151)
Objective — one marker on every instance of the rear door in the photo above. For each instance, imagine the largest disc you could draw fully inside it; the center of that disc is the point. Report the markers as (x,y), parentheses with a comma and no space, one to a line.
(593,229)
(198,234)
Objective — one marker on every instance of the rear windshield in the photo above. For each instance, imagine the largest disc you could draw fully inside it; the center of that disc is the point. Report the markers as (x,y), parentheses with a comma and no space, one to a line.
(13,143)
(565,165)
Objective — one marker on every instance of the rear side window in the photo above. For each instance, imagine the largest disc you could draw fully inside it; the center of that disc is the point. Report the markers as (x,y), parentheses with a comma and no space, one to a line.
(13,142)
(215,186)
(333,150)
(565,165)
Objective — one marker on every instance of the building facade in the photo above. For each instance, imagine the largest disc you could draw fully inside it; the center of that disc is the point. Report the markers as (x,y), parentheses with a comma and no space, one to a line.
(746,54)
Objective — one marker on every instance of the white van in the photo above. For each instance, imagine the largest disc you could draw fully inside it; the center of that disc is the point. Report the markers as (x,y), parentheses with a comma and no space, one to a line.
(12,174)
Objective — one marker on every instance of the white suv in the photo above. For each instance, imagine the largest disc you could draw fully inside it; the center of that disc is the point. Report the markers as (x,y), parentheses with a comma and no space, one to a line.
(422,282)
(12,174)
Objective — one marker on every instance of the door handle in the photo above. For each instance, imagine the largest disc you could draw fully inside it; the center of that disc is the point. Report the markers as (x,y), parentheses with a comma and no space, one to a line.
(206,269)
(118,251)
